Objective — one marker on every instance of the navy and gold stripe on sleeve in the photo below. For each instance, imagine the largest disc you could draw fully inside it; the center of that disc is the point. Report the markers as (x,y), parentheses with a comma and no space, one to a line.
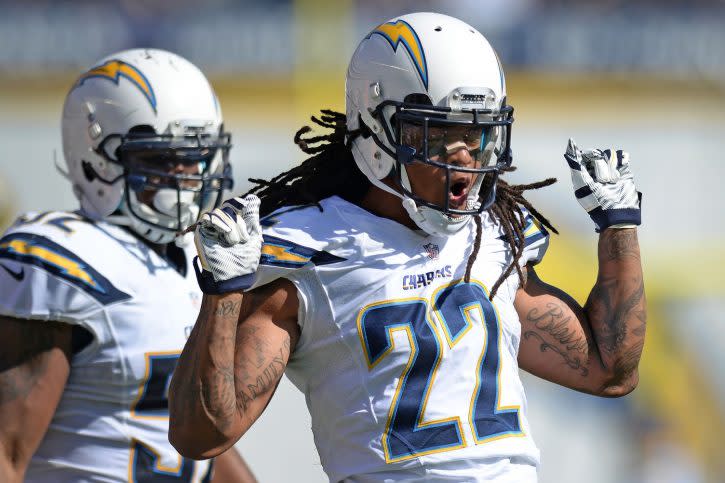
(533,231)
(283,253)
(51,257)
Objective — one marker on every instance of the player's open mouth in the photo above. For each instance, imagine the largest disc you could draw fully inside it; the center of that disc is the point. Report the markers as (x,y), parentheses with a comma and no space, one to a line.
(458,195)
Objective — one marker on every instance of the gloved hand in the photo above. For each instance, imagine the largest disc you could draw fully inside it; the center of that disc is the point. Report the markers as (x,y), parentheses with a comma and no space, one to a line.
(604,186)
(229,243)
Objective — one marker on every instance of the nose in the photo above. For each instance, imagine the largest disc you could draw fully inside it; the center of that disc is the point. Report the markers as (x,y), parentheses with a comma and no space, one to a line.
(458,154)
(177,168)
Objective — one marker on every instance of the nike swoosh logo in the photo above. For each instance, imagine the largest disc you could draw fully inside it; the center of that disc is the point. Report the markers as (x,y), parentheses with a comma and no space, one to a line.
(19,275)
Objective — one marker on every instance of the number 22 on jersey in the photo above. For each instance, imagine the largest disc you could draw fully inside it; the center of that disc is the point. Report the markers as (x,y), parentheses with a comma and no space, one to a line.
(457,307)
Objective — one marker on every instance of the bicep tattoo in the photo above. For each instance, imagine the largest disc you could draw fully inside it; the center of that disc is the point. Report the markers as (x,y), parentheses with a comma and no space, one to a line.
(553,321)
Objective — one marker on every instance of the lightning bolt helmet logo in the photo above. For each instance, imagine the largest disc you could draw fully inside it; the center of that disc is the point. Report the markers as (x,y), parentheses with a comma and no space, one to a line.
(400,32)
(113,70)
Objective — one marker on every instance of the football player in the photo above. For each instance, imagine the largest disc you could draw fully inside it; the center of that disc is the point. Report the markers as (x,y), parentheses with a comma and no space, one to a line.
(392,277)
(97,303)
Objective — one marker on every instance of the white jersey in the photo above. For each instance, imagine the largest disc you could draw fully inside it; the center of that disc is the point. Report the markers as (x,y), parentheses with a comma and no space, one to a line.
(112,421)
(409,373)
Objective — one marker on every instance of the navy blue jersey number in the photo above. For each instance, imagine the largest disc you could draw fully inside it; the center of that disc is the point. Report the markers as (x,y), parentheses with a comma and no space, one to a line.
(458,307)
(455,307)
(406,435)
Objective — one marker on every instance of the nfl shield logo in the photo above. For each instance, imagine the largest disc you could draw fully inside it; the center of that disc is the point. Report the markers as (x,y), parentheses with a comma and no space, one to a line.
(432,250)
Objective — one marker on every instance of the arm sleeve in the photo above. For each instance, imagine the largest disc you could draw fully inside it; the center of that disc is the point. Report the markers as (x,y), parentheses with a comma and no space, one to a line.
(42,280)
(41,295)
(536,241)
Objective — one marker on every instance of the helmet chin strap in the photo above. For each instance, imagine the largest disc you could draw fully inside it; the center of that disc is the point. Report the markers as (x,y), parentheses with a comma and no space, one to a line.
(164,210)
(429,220)
(433,221)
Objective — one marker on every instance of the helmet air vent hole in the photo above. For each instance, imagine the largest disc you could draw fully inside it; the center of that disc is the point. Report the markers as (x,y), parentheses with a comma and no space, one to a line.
(88,171)
(142,129)
(438,29)
(418,98)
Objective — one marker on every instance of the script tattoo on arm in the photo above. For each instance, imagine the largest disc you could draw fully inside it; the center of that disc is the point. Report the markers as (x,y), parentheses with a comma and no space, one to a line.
(259,373)
(595,348)
(230,366)
(229,309)
(555,322)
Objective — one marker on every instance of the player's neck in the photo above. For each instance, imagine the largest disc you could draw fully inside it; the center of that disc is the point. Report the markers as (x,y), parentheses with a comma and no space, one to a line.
(159,248)
(386,205)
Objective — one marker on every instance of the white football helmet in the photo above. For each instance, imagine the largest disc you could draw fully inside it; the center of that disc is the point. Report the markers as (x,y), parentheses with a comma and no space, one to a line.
(433,73)
(144,143)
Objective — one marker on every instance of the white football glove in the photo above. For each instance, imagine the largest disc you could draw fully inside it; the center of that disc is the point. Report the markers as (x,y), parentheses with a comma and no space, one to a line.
(604,186)
(229,243)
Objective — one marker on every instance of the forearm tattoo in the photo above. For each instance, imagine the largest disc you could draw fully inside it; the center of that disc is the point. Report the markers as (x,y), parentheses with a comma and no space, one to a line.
(217,385)
(242,364)
(620,243)
(619,321)
(209,390)
(616,306)
(572,347)
(228,309)
(259,373)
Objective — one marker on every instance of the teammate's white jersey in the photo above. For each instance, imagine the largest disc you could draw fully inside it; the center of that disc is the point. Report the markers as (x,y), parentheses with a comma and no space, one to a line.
(112,421)
(409,373)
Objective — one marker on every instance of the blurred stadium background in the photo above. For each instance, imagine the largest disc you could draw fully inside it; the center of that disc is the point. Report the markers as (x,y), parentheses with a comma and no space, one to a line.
(648,76)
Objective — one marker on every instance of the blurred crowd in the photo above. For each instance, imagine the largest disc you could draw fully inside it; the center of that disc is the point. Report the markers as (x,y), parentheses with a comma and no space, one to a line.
(225,36)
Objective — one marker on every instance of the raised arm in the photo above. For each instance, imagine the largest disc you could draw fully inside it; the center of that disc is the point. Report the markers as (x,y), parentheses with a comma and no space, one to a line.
(34,367)
(239,348)
(230,367)
(595,349)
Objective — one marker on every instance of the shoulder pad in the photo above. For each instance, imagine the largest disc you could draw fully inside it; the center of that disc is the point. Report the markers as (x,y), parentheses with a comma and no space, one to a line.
(39,251)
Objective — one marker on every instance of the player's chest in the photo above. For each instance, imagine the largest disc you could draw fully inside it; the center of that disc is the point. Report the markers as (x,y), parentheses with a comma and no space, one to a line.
(161,311)
(148,332)
(425,297)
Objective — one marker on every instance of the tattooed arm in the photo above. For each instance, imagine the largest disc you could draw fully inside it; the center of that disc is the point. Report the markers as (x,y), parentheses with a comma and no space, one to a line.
(34,367)
(230,367)
(594,349)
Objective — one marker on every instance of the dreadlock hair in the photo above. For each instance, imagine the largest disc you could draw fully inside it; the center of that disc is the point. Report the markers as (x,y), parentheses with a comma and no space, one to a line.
(319,176)
(331,165)
(506,210)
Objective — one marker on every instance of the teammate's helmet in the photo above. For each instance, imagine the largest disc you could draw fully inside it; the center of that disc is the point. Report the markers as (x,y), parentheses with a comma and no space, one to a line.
(144,143)
(425,73)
